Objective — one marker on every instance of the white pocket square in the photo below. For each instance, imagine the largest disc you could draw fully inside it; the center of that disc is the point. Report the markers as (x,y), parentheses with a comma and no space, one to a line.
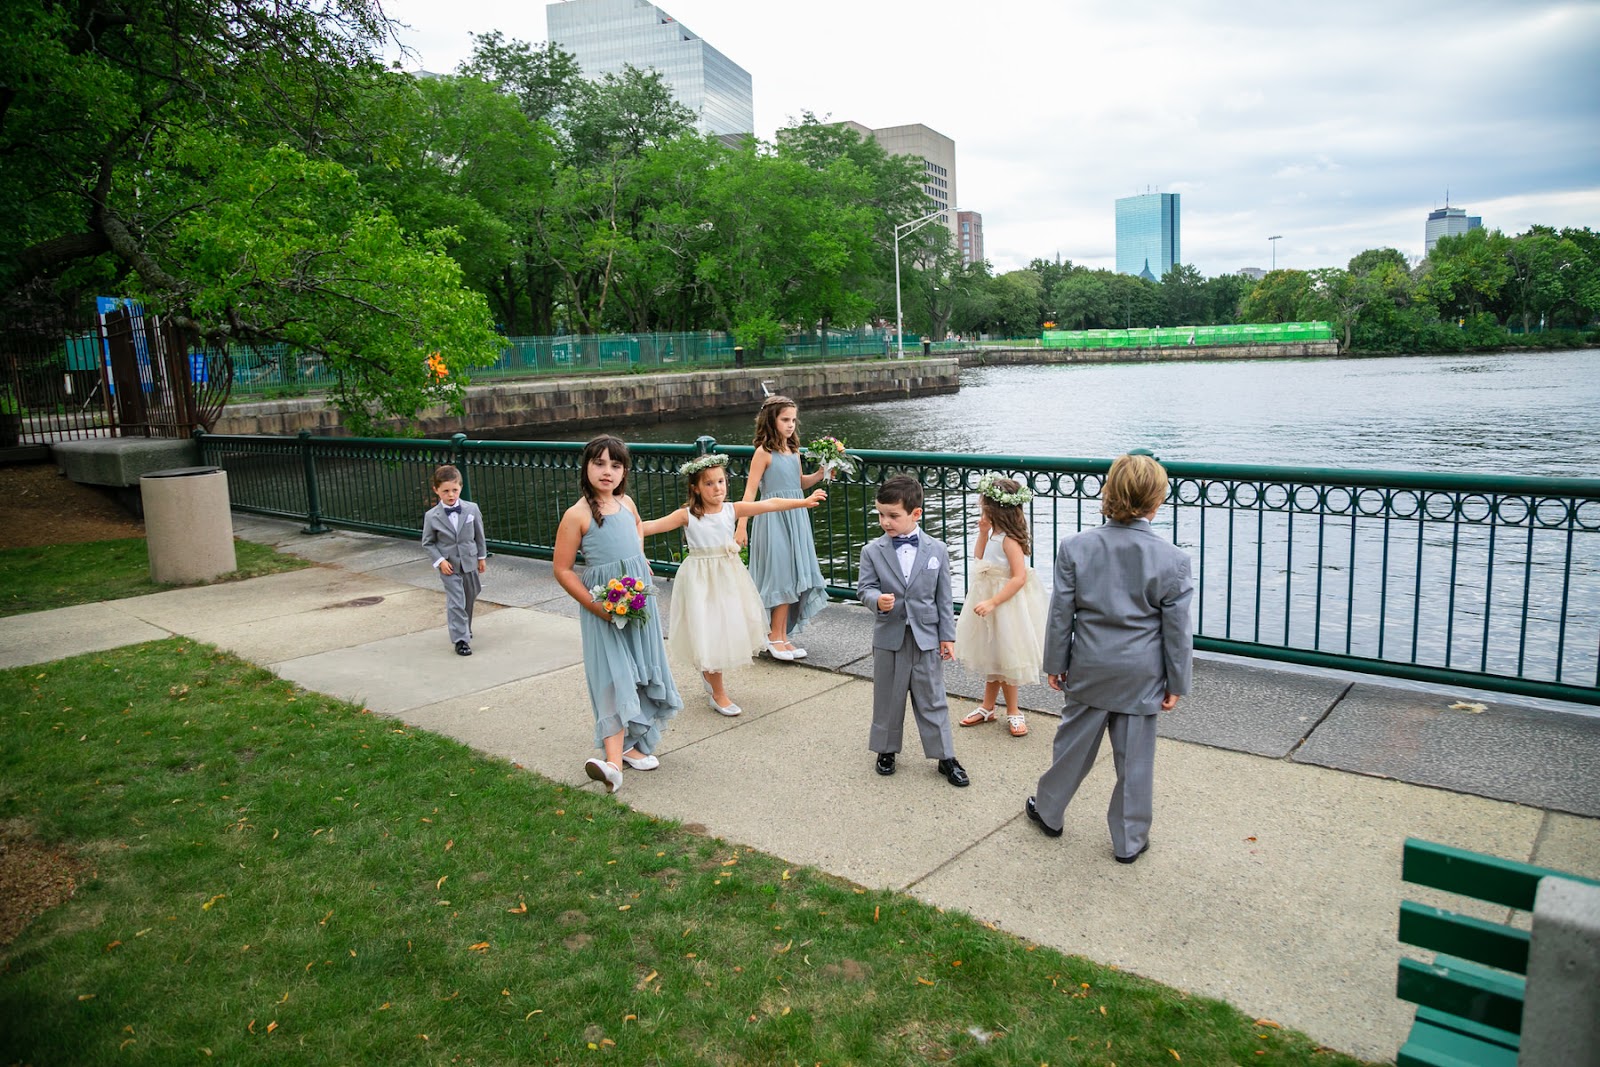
(933,564)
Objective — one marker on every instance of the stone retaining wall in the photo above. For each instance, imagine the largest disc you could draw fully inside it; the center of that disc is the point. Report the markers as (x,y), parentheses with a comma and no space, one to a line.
(992,357)
(566,404)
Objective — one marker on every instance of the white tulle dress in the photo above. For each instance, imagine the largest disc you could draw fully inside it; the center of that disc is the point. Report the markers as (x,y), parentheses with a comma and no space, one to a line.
(1008,644)
(718,621)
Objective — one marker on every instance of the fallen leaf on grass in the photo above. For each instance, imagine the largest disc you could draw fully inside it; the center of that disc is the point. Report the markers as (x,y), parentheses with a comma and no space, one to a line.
(87,996)
(440,883)
(113,945)
(272,1026)
(923,981)
(1175,1054)
(1269,1022)
(481,946)
(520,909)
(208,904)
(324,920)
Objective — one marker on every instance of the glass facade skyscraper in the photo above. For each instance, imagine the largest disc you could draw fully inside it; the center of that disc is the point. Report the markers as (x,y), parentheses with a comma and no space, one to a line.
(1147,234)
(1448,222)
(606,35)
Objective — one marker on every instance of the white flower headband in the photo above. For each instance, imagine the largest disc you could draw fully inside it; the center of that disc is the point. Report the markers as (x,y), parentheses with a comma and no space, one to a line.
(989,486)
(700,463)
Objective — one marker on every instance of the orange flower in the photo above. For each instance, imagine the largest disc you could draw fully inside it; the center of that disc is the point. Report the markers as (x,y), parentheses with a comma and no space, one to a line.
(436,366)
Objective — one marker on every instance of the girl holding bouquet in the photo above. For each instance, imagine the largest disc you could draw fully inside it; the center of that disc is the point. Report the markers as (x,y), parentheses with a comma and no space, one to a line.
(783,555)
(718,621)
(1001,630)
(624,658)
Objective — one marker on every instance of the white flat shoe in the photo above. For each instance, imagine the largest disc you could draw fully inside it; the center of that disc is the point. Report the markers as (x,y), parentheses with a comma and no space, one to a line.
(730,711)
(601,771)
(641,763)
(785,654)
(799,653)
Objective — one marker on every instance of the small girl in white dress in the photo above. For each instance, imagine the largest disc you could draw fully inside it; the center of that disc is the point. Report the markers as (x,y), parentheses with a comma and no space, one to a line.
(1001,630)
(717,621)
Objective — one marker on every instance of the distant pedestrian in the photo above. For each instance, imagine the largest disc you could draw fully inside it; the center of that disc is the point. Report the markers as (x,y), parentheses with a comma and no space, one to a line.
(1118,644)
(631,690)
(452,533)
(718,621)
(905,579)
(783,552)
(1000,634)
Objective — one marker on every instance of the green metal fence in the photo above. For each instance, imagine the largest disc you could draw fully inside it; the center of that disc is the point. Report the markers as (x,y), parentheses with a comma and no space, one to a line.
(1180,336)
(1490,581)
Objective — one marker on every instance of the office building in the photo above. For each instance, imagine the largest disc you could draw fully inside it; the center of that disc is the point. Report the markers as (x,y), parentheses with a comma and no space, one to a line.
(1148,234)
(969,237)
(1448,222)
(938,155)
(606,35)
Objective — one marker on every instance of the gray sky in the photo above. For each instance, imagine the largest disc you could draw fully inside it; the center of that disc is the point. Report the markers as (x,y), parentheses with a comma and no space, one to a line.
(1339,128)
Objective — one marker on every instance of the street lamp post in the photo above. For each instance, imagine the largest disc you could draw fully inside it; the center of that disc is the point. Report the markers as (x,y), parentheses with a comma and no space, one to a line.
(907,228)
(1275,238)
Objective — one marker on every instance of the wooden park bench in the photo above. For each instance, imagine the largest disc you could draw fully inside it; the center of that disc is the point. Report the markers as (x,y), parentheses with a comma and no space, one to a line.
(1470,999)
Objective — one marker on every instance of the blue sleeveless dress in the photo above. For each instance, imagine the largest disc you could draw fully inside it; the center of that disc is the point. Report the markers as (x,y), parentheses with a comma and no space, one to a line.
(630,684)
(783,555)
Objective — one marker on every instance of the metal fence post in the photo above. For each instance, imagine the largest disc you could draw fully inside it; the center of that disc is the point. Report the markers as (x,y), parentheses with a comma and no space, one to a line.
(313,502)
(458,456)
(704,445)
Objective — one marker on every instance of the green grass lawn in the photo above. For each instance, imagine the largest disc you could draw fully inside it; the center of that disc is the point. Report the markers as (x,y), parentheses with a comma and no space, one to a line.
(55,576)
(273,876)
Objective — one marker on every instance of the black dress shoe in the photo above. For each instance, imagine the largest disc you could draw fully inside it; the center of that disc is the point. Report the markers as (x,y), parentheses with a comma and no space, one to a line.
(953,771)
(1136,855)
(1033,813)
(463,649)
(885,763)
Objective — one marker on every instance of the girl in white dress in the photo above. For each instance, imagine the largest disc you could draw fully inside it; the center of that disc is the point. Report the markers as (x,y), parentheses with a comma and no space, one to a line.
(1001,630)
(717,621)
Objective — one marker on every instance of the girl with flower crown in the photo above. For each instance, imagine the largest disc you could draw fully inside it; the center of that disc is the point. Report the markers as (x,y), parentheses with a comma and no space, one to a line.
(630,683)
(718,621)
(1001,630)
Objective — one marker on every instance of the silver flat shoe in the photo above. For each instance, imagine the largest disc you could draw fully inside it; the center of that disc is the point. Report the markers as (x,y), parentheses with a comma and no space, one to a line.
(787,655)
(602,771)
(730,711)
(641,763)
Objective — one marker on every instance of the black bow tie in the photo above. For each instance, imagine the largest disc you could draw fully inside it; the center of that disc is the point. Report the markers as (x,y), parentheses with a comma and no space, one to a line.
(456,510)
(908,539)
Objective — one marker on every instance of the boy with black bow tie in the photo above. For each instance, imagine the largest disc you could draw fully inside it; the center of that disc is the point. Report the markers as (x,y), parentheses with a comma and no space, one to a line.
(452,532)
(905,578)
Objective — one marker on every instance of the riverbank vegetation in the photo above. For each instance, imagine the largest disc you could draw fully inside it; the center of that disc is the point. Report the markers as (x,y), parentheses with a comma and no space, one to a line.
(266,875)
(258,173)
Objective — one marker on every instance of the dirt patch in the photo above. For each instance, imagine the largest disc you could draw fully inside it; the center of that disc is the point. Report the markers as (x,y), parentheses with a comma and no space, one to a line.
(33,879)
(48,508)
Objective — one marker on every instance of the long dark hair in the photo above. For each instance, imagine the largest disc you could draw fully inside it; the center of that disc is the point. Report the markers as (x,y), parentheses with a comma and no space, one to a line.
(604,445)
(1008,518)
(767,426)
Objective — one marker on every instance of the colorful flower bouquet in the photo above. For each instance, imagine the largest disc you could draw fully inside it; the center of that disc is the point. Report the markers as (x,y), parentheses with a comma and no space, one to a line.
(624,599)
(829,454)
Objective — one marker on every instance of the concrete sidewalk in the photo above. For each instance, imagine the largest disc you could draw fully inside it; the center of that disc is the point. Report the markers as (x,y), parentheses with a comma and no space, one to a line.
(1283,798)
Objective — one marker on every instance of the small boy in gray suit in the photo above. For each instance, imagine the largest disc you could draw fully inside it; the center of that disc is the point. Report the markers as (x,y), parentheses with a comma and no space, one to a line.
(1117,642)
(905,578)
(452,532)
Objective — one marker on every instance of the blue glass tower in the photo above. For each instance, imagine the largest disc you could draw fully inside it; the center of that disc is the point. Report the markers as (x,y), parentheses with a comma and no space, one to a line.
(1147,234)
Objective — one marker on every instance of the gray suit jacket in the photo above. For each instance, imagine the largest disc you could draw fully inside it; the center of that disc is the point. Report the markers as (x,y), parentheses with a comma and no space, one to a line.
(1118,625)
(463,548)
(924,603)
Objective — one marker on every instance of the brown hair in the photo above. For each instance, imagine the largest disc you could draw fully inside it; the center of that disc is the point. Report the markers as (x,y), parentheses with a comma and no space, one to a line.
(1135,486)
(903,490)
(443,474)
(696,503)
(1008,518)
(767,426)
(604,445)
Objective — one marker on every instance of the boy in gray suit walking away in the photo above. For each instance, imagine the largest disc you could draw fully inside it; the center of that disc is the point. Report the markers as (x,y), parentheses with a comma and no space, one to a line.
(905,578)
(452,532)
(1117,642)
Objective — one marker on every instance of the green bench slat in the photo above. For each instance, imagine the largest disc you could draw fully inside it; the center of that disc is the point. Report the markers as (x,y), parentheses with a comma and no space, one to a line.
(1436,1046)
(1493,1035)
(1458,987)
(1478,940)
(1472,874)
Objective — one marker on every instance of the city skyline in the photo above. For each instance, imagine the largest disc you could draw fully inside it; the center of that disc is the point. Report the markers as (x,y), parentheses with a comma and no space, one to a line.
(1328,126)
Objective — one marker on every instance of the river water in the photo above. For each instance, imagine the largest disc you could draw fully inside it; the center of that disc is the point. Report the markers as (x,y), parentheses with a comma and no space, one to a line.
(1500,413)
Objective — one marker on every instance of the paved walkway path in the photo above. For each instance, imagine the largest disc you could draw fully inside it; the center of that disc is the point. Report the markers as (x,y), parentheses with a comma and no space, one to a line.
(1282,798)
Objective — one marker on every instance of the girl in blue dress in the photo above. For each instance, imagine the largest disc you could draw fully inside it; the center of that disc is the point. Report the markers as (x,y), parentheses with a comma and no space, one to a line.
(630,684)
(783,555)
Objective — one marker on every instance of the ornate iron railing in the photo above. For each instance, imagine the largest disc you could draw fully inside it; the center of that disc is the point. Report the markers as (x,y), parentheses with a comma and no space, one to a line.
(1487,581)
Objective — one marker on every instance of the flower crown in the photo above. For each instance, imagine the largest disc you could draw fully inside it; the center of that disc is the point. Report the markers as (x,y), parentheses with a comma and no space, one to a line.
(989,486)
(700,463)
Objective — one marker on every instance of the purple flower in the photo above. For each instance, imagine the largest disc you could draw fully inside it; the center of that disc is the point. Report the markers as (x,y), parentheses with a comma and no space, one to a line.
(637,603)
(613,595)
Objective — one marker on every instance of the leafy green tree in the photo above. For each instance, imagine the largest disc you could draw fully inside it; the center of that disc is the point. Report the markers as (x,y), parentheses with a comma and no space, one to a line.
(1223,295)
(1017,297)
(1183,297)
(1281,296)
(1466,273)
(1082,300)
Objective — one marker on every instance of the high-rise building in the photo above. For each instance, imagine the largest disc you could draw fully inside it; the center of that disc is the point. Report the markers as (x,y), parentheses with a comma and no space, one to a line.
(1448,222)
(938,155)
(606,35)
(969,237)
(1147,234)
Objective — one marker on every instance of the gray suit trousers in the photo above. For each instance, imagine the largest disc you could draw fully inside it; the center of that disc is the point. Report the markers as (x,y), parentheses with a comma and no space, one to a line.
(1133,750)
(460,596)
(897,672)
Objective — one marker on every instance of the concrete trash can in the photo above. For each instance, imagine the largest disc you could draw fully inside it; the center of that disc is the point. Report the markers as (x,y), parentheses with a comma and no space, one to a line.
(188,525)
